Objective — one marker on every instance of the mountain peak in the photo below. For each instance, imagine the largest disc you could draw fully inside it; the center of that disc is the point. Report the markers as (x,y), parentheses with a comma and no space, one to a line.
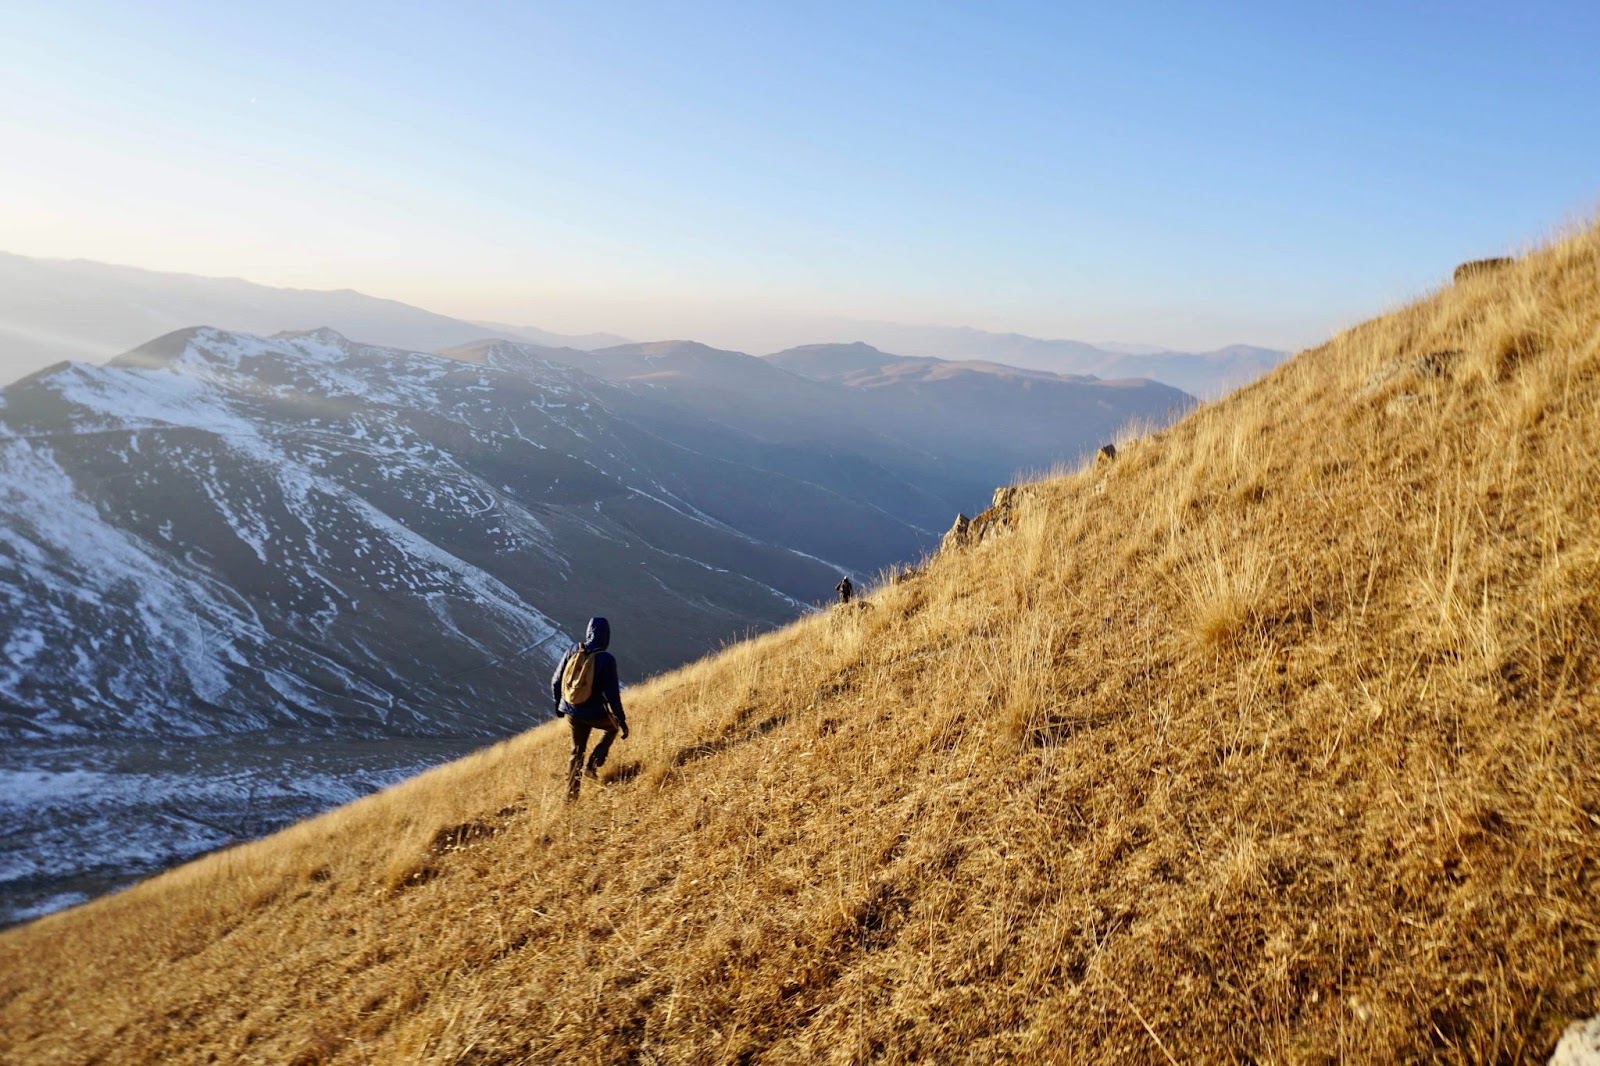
(163,351)
(834,362)
(323,335)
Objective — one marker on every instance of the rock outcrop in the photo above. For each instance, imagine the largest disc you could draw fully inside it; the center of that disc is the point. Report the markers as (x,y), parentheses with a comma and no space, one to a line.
(965,532)
(1481,266)
(1580,1045)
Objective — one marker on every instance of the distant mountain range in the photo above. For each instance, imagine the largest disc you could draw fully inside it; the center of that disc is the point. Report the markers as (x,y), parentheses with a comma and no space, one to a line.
(1204,374)
(76,309)
(1016,413)
(950,442)
(55,309)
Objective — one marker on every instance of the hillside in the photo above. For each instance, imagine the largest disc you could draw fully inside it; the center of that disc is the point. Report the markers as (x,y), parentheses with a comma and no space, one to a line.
(1275,739)
(862,366)
(1010,416)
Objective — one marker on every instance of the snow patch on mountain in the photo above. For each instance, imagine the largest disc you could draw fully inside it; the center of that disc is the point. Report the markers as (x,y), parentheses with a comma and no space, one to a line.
(52,526)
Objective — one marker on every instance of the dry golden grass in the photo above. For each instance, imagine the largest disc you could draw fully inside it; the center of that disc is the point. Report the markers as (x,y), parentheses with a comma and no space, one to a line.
(1275,740)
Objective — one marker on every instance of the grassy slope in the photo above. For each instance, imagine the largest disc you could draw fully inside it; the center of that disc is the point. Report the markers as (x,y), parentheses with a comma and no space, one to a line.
(1277,739)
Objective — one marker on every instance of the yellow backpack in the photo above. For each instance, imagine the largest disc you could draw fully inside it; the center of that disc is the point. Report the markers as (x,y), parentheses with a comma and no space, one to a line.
(577,680)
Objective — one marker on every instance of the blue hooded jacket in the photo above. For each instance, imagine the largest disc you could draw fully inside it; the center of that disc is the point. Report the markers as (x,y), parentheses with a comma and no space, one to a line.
(607,692)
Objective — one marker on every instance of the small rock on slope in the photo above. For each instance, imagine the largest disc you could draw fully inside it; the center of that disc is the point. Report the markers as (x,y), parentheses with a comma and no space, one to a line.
(1580,1045)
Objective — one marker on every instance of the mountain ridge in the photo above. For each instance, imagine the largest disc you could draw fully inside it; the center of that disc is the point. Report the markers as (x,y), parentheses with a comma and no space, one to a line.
(1208,374)
(52,309)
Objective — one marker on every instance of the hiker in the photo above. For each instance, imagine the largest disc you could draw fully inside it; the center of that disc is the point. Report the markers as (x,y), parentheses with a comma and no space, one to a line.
(844,589)
(585,684)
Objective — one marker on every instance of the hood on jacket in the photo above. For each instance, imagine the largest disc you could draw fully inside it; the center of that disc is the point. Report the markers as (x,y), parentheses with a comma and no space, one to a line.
(598,636)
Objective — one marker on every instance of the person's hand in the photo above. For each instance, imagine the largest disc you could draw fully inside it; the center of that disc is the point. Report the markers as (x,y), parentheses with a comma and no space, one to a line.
(624,730)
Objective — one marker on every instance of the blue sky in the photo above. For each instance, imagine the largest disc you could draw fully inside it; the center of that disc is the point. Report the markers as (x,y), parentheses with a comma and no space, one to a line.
(1179,174)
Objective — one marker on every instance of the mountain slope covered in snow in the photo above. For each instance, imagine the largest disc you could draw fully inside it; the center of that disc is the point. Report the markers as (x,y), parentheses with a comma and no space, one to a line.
(223,533)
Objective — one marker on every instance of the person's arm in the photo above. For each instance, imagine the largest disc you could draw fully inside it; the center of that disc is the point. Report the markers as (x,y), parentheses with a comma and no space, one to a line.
(611,688)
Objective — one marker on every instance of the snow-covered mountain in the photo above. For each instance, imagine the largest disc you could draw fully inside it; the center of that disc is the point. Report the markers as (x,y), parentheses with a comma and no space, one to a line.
(219,533)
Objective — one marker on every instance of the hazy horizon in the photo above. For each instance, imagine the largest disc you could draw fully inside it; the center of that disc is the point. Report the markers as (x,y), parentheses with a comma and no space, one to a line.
(1152,175)
(752,331)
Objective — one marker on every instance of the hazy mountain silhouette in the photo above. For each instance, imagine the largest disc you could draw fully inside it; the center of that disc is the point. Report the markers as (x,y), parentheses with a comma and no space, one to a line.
(55,309)
(1205,374)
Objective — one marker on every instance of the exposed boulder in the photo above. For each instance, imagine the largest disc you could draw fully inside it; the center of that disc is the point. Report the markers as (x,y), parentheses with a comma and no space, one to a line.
(965,532)
(956,536)
(1580,1045)
(1107,453)
(1481,266)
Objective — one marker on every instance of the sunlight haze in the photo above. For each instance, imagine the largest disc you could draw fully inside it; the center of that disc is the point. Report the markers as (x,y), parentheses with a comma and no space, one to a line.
(756,176)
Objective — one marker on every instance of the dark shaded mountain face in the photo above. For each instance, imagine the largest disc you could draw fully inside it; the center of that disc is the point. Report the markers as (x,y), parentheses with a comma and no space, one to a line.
(842,415)
(860,365)
(1005,414)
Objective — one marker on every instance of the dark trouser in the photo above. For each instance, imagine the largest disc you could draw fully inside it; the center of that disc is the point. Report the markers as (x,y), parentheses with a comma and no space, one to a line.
(580,741)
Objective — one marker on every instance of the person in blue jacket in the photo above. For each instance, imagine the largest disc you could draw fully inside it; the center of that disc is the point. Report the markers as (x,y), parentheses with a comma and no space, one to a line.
(589,666)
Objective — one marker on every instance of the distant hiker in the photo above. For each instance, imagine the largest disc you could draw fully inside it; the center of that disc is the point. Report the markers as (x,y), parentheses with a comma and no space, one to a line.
(844,589)
(585,684)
